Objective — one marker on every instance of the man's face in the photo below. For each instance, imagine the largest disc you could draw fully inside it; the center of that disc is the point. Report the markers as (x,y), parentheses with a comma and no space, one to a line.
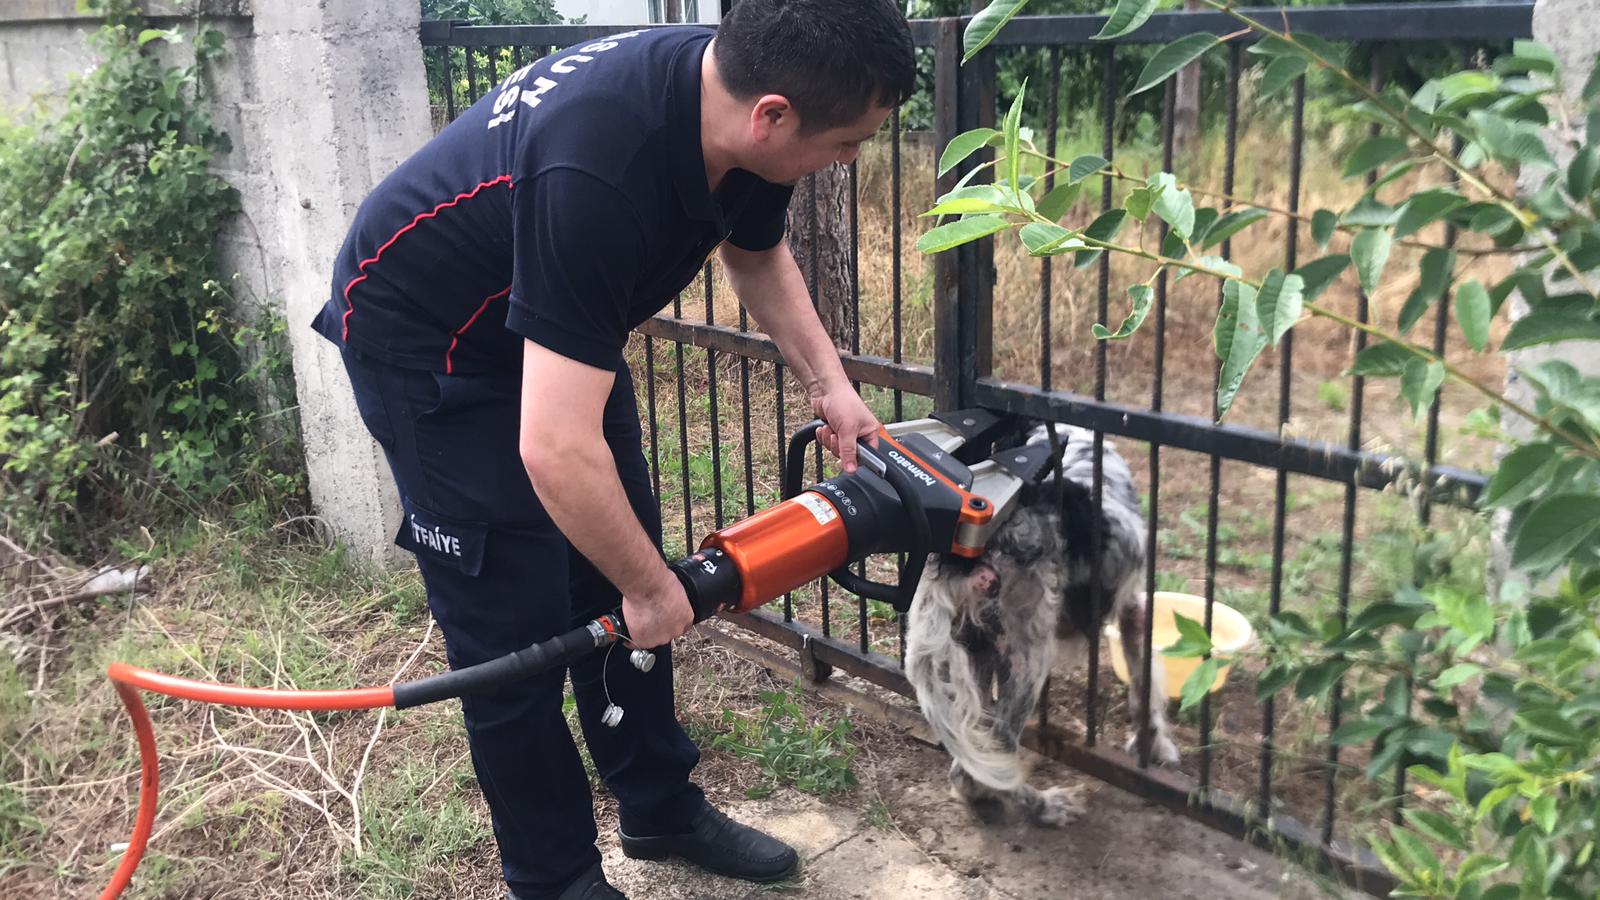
(784,153)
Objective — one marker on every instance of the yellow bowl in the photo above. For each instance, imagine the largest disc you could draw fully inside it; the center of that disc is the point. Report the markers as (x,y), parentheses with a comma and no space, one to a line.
(1230,633)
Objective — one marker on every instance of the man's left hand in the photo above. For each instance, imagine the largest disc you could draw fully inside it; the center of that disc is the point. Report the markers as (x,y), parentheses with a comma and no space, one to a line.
(848,420)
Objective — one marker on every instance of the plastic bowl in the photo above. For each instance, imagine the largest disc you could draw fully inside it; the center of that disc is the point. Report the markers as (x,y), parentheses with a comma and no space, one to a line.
(1230,633)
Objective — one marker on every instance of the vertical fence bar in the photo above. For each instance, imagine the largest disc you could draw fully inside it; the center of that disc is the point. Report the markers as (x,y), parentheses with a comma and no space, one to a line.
(449,86)
(895,337)
(1214,492)
(947,265)
(749,447)
(683,435)
(855,347)
(975,108)
(1096,536)
(711,395)
(1147,691)
(650,401)
(1285,389)
(1046,331)
(1052,122)
(472,77)
(783,437)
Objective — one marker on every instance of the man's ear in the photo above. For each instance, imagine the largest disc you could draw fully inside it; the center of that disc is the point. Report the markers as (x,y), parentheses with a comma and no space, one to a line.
(772,116)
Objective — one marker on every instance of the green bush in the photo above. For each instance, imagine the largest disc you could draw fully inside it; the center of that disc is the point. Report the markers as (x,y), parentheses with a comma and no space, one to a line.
(122,368)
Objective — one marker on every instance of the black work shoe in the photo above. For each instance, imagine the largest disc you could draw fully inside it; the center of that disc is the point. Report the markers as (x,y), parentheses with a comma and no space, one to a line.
(591,885)
(718,844)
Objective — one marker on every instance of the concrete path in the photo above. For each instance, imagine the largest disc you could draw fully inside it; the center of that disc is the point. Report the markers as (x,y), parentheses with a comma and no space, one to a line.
(913,841)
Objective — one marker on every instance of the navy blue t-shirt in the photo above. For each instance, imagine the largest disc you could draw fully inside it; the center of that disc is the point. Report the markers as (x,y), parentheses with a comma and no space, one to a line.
(566,206)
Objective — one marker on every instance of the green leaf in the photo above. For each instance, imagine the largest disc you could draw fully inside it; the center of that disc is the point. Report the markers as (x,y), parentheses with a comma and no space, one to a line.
(1013,126)
(1543,809)
(1318,680)
(1370,250)
(1174,56)
(1173,204)
(1369,213)
(1383,614)
(1211,262)
(1139,203)
(1142,296)
(1192,638)
(1522,473)
(156,34)
(1238,340)
(1554,528)
(1460,673)
(1591,88)
(1199,682)
(1426,208)
(1583,172)
(986,24)
(1319,273)
(983,198)
(962,146)
(1048,240)
(1084,166)
(1358,732)
(1280,73)
(1437,264)
(1104,229)
(1273,679)
(1473,313)
(1055,204)
(1323,223)
(1547,327)
(1372,153)
(1419,382)
(1550,726)
(1421,857)
(960,232)
(1231,224)
(1279,304)
(1435,827)
(1127,16)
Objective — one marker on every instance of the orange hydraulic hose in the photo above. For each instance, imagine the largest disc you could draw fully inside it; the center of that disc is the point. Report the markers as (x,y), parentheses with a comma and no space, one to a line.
(130,680)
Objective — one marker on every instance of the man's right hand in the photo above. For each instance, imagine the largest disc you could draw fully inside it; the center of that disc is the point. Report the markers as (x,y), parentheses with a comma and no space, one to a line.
(656,619)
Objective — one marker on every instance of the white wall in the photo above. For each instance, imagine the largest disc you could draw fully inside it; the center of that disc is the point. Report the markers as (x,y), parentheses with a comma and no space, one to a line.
(628,12)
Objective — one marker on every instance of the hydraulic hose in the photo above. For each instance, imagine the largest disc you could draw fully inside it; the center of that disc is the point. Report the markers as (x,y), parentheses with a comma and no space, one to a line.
(131,680)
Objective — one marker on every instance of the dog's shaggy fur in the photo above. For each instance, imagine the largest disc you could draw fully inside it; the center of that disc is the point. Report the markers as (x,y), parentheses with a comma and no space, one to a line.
(983,634)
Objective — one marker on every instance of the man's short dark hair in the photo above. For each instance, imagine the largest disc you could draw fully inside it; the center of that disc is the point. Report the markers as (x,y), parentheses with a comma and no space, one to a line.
(833,59)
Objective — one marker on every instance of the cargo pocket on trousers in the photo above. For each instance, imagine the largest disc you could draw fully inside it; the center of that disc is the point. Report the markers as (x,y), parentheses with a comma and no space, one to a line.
(449,542)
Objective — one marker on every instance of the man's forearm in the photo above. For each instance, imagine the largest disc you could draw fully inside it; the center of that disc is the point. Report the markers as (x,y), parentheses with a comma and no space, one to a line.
(770,286)
(586,500)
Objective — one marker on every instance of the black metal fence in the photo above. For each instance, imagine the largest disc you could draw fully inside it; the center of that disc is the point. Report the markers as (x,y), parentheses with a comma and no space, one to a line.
(985,325)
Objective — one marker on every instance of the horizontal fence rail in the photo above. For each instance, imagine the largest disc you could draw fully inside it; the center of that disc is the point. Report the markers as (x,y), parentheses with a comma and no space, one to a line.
(952,337)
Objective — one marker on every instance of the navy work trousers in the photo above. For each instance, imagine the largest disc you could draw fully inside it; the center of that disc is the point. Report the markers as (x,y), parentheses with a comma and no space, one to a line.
(501,576)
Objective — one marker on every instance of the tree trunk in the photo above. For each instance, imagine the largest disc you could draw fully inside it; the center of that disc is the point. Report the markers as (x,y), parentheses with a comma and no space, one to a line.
(1186,103)
(820,240)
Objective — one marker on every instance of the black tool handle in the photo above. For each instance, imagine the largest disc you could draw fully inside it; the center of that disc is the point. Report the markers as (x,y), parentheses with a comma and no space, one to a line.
(899,596)
(559,651)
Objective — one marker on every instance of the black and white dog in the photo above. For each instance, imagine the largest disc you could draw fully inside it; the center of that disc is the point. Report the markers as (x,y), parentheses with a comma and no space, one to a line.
(983,634)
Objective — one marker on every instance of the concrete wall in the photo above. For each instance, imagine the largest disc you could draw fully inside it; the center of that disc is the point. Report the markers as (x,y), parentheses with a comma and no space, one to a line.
(1571,29)
(321,101)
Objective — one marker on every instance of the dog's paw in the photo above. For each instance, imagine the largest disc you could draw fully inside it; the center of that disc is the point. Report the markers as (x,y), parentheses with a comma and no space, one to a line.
(1058,806)
(1163,752)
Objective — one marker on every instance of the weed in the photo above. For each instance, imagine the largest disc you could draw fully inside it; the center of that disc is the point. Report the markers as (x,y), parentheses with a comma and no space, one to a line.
(1333,395)
(411,833)
(816,758)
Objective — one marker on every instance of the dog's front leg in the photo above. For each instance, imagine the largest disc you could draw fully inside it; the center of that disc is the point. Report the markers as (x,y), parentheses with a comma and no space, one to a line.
(1152,724)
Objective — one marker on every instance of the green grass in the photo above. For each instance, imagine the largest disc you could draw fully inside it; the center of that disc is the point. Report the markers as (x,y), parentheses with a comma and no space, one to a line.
(414,839)
(813,757)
